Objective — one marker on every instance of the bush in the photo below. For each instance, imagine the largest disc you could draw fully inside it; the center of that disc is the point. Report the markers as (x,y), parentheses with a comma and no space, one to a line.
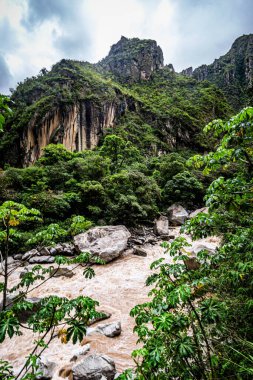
(183,188)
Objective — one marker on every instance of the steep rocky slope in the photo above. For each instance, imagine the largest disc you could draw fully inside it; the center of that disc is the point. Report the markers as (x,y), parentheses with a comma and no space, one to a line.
(233,72)
(133,59)
(76,103)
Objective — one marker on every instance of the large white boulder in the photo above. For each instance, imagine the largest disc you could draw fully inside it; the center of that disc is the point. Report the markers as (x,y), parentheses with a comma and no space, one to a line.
(177,215)
(106,242)
(95,367)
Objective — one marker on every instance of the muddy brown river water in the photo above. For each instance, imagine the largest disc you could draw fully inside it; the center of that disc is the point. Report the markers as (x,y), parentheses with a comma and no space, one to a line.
(118,286)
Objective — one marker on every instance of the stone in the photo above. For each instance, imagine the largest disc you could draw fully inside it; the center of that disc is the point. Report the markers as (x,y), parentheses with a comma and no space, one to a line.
(161,226)
(18,256)
(29,254)
(140,251)
(136,241)
(46,368)
(41,260)
(80,352)
(110,330)
(104,315)
(198,211)
(62,272)
(53,251)
(44,251)
(10,261)
(151,239)
(64,249)
(192,263)
(177,215)
(106,242)
(94,367)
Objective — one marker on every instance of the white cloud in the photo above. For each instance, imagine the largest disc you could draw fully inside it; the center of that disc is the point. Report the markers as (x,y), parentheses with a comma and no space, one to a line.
(38,33)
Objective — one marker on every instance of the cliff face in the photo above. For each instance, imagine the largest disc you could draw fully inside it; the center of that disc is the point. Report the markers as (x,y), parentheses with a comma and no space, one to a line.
(132,60)
(76,102)
(79,127)
(233,72)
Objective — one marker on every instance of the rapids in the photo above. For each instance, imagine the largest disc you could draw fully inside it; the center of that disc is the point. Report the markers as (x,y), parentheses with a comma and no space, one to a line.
(118,286)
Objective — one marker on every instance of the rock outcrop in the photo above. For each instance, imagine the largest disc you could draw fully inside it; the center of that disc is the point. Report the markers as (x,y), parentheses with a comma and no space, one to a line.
(106,243)
(77,127)
(232,72)
(132,59)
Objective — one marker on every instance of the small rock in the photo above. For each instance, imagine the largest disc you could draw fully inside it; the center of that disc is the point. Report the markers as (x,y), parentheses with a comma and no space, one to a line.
(140,251)
(62,272)
(177,215)
(64,249)
(68,249)
(18,256)
(53,251)
(80,352)
(46,368)
(161,226)
(41,260)
(104,315)
(136,241)
(44,251)
(110,330)
(151,239)
(94,367)
(29,254)
(198,211)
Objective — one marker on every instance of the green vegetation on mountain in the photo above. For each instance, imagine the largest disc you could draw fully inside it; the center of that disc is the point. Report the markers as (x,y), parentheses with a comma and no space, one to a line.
(232,72)
(120,142)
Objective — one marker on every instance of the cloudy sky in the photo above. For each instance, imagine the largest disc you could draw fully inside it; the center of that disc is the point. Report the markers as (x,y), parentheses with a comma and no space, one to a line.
(37,33)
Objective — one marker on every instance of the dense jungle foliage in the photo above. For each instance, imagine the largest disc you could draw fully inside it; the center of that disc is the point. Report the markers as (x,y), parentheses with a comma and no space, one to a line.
(198,323)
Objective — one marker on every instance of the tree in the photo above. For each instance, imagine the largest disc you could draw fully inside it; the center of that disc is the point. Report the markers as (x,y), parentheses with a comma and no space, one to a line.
(120,152)
(198,323)
(5,110)
(49,313)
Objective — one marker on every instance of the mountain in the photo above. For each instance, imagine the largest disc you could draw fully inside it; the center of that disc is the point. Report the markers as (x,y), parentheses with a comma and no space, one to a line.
(233,72)
(133,59)
(76,103)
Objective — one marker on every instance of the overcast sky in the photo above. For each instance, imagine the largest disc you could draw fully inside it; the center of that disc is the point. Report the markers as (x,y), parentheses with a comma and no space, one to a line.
(38,33)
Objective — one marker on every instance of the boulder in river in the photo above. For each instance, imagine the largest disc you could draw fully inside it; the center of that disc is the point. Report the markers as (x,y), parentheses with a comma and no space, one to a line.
(140,251)
(94,367)
(46,369)
(110,330)
(41,260)
(161,226)
(62,272)
(80,352)
(106,242)
(177,215)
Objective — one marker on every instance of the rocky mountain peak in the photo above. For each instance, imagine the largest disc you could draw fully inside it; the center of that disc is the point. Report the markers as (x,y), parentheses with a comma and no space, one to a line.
(132,59)
(232,72)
